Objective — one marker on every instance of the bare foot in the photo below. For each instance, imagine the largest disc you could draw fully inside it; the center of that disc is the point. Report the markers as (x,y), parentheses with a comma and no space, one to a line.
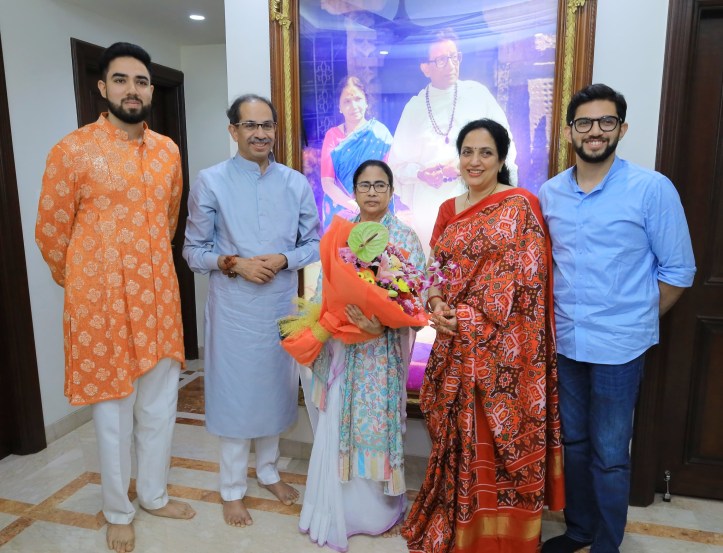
(173,509)
(283,492)
(393,531)
(121,538)
(236,514)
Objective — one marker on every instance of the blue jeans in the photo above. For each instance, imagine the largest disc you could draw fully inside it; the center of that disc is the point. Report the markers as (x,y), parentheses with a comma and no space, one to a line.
(596,408)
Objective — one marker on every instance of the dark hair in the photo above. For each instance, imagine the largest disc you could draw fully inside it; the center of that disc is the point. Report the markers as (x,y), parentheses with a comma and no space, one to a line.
(351,80)
(593,92)
(499,135)
(233,112)
(442,35)
(374,163)
(356,82)
(122,50)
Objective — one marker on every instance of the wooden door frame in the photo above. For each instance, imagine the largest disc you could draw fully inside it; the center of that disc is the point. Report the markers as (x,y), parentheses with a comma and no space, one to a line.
(680,41)
(85,55)
(20,363)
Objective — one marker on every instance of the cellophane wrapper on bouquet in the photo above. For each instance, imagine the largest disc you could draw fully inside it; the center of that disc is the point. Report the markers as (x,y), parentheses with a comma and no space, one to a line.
(359,267)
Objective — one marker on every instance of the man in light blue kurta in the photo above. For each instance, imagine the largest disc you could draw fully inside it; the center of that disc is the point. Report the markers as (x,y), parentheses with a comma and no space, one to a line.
(252,225)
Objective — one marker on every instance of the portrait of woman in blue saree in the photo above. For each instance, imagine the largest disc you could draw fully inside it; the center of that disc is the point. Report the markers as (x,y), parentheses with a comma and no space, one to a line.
(346,146)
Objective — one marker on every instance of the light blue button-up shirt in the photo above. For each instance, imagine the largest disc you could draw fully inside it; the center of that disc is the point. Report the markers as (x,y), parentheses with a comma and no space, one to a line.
(610,247)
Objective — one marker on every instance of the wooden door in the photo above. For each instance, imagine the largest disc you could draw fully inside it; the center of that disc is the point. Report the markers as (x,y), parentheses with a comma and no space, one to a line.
(686,417)
(167,117)
(21,412)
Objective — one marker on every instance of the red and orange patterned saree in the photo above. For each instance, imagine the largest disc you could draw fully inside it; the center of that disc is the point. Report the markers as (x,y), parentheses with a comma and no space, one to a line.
(490,393)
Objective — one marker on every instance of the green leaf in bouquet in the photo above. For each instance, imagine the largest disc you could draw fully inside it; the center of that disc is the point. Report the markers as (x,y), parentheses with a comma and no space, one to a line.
(368,240)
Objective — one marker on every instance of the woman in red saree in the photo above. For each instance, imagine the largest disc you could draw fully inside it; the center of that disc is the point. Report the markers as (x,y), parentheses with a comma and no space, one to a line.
(490,391)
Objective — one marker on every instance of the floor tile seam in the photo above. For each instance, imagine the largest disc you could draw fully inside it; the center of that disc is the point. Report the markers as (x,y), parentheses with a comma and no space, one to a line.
(674,532)
(57,515)
(188,378)
(68,518)
(212,466)
(95,522)
(190,416)
(13,529)
(654,529)
(67,491)
(48,511)
(190,422)
(14,507)
(251,502)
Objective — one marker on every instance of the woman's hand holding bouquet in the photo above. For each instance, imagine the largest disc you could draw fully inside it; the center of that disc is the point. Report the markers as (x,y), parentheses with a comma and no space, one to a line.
(360,268)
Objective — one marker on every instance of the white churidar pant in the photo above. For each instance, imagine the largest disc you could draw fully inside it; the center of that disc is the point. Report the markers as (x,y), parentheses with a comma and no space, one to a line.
(147,416)
(235,464)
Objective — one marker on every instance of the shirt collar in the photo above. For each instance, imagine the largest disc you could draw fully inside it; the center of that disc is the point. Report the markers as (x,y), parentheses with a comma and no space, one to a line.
(247,165)
(386,220)
(434,91)
(114,131)
(614,168)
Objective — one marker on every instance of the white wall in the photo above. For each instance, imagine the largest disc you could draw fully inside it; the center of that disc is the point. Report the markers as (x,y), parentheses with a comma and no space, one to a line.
(35,35)
(38,68)
(248,56)
(629,55)
(206,91)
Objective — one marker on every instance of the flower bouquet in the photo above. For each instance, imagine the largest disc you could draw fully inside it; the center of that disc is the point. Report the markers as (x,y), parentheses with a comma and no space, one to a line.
(359,267)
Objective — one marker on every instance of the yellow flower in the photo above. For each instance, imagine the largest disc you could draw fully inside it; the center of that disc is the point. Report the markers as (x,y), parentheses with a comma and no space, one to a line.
(403,287)
(367,274)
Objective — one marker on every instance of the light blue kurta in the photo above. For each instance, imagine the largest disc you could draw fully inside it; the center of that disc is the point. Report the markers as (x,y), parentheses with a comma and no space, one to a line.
(251,383)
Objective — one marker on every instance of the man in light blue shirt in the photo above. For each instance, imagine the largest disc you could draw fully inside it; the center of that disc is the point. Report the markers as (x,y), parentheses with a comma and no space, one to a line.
(622,257)
(254,220)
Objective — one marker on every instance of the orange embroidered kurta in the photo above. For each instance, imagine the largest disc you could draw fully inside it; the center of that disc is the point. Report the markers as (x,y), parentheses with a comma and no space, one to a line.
(107,212)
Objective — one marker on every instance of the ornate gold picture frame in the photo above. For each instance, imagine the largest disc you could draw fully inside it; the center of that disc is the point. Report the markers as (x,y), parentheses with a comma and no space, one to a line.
(573,61)
(573,70)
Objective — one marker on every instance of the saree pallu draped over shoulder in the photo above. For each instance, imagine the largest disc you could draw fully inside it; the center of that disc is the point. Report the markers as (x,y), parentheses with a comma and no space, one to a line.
(490,392)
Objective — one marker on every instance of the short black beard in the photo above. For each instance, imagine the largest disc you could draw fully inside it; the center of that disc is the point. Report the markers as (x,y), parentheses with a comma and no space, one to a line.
(607,152)
(129,117)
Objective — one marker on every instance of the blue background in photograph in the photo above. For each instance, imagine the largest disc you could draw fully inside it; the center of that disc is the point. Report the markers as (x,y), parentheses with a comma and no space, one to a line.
(404,30)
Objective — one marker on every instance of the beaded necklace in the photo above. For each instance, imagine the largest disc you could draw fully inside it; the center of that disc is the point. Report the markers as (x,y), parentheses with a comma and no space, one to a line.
(435,126)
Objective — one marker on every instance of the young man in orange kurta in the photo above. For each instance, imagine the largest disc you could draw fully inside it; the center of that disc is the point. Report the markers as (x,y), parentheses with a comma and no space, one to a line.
(107,213)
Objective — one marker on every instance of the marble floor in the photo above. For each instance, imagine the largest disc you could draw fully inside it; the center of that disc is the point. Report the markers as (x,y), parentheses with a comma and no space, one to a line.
(50,502)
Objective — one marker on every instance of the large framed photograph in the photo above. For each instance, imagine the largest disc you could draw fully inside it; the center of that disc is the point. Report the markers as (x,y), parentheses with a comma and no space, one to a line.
(396,80)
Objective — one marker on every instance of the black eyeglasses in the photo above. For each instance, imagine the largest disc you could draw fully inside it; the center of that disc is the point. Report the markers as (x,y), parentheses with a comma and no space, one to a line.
(379,186)
(606,123)
(442,61)
(266,126)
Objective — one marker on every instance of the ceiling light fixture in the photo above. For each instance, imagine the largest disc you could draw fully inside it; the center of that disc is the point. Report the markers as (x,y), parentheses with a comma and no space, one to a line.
(197,17)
